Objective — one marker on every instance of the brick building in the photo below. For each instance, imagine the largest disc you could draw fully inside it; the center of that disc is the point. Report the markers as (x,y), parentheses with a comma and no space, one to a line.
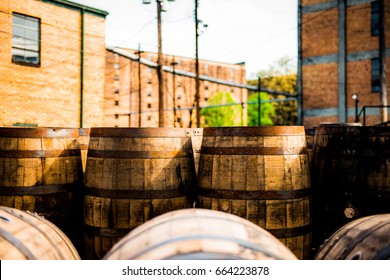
(129,102)
(344,48)
(52,61)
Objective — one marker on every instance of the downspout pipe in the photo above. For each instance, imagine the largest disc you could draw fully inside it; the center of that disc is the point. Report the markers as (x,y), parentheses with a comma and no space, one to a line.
(299,78)
(82,13)
(382,59)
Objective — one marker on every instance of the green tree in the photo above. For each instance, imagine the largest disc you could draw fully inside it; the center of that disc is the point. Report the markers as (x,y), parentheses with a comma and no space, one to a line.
(267,110)
(281,76)
(221,111)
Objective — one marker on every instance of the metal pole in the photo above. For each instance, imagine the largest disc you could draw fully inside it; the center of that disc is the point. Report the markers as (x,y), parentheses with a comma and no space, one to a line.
(139,52)
(173,63)
(159,68)
(259,102)
(356,110)
(382,58)
(197,67)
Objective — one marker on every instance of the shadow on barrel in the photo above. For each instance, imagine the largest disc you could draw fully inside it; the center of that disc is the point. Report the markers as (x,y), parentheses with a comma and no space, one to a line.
(42,174)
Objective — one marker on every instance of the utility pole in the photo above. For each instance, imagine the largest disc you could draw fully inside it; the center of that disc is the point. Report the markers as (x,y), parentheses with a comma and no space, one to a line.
(259,102)
(173,63)
(139,52)
(197,66)
(159,68)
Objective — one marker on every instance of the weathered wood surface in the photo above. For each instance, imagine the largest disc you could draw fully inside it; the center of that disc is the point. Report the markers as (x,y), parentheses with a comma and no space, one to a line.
(40,171)
(199,234)
(27,236)
(367,238)
(260,174)
(83,144)
(133,175)
(350,173)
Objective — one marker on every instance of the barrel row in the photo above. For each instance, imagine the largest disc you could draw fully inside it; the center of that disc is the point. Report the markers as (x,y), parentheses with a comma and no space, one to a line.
(158,165)
(133,175)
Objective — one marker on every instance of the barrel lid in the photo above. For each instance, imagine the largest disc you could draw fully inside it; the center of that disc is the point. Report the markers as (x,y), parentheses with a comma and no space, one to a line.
(254,131)
(143,132)
(38,132)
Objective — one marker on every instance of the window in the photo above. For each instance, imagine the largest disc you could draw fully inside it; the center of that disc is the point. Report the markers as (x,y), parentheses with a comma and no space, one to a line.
(25,40)
(375,18)
(116,66)
(149,105)
(116,102)
(116,77)
(149,93)
(116,116)
(149,118)
(116,91)
(375,75)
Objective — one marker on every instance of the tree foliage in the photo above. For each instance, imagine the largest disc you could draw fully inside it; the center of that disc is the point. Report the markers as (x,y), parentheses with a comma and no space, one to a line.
(282,77)
(221,111)
(267,110)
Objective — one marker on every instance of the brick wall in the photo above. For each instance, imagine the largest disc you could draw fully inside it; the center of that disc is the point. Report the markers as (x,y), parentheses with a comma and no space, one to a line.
(179,91)
(322,82)
(320,33)
(49,95)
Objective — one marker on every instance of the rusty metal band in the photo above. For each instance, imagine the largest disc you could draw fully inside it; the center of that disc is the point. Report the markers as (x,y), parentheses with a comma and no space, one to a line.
(255,195)
(117,154)
(134,194)
(291,232)
(39,153)
(106,232)
(40,132)
(131,132)
(255,131)
(17,243)
(253,151)
(37,190)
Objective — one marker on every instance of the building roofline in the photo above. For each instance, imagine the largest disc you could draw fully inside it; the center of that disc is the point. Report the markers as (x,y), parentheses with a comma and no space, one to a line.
(165,68)
(241,63)
(78,7)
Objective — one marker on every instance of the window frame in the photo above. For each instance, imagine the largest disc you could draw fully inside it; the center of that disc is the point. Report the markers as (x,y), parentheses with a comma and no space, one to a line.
(375,18)
(375,75)
(13,47)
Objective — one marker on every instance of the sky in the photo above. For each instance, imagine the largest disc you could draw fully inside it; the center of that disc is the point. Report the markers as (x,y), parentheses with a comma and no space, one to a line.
(257,32)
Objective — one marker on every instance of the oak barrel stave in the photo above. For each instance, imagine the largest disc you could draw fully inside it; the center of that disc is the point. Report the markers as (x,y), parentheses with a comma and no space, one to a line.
(133,175)
(350,176)
(27,236)
(199,234)
(366,238)
(261,174)
(40,171)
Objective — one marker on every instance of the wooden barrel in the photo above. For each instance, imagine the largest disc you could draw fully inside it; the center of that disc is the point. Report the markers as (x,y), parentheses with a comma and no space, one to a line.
(133,175)
(199,234)
(40,171)
(310,132)
(27,236)
(366,238)
(83,144)
(350,176)
(261,174)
